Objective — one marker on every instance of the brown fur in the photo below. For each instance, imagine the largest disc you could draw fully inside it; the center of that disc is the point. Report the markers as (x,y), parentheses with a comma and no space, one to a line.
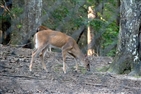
(55,38)
(40,28)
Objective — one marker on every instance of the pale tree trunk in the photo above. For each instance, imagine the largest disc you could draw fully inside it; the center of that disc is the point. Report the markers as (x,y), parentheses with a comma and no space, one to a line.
(29,20)
(127,57)
(91,16)
(90,51)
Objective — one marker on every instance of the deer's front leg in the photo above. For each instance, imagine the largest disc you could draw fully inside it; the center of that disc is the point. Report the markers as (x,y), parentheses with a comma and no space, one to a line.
(76,66)
(65,49)
(64,59)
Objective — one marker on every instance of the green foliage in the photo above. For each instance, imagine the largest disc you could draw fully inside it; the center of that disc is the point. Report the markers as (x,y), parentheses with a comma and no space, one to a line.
(19,26)
(110,32)
(97,24)
(104,23)
(110,36)
(82,69)
(107,25)
(69,16)
(17,11)
(60,13)
(5,17)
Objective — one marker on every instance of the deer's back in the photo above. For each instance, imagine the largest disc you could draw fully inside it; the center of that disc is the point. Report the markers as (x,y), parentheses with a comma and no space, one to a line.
(58,39)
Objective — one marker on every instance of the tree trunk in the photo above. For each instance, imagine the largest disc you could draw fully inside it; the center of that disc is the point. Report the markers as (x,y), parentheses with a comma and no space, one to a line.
(91,16)
(90,51)
(28,22)
(127,57)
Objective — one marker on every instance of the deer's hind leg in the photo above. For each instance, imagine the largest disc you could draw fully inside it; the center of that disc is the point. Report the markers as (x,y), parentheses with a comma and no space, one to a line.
(34,54)
(42,56)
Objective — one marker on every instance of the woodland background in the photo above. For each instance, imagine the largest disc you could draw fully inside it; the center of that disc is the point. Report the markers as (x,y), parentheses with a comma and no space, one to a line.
(116,41)
(68,16)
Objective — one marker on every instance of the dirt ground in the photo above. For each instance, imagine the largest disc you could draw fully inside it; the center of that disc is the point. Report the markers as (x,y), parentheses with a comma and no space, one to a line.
(15,77)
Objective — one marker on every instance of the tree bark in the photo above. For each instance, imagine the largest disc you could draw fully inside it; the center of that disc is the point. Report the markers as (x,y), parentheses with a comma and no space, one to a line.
(91,16)
(127,57)
(29,20)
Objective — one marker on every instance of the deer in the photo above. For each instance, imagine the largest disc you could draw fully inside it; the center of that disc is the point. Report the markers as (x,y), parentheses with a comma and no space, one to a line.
(57,39)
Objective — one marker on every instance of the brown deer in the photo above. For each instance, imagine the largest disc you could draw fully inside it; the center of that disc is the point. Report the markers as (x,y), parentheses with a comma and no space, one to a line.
(67,44)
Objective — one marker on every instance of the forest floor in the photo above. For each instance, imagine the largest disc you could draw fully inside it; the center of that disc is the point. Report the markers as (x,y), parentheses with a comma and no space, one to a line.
(15,77)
